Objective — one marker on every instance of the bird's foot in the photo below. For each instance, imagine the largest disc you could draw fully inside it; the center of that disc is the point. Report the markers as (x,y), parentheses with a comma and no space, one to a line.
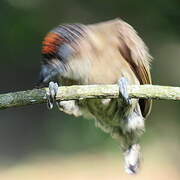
(51,95)
(123,83)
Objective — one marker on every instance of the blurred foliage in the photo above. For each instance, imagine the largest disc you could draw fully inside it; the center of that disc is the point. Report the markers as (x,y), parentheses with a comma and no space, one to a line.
(33,129)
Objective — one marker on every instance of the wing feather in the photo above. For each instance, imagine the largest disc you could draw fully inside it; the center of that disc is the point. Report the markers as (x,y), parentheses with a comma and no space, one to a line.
(137,55)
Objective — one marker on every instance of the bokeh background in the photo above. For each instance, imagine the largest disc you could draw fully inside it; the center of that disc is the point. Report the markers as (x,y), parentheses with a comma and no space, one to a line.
(36,143)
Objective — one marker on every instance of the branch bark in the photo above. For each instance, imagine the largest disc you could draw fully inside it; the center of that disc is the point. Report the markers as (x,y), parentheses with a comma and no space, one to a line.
(38,96)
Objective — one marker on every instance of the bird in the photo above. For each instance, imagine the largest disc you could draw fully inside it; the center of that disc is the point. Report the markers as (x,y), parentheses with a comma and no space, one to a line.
(109,52)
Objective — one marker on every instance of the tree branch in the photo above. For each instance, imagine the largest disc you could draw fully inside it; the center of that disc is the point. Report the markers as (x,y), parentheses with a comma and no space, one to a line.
(38,96)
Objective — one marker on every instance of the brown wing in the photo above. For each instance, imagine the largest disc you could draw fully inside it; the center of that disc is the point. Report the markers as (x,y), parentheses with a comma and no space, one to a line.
(136,54)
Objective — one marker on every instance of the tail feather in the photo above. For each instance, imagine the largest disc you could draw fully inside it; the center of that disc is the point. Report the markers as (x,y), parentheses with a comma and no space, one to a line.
(132,159)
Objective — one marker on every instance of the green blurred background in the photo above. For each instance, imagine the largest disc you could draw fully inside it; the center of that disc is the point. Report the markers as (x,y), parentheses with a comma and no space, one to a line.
(34,131)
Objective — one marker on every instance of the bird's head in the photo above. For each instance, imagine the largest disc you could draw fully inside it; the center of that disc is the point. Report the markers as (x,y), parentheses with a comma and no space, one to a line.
(58,47)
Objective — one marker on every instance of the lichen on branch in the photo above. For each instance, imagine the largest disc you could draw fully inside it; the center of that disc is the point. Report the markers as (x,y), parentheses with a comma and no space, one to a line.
(38,96)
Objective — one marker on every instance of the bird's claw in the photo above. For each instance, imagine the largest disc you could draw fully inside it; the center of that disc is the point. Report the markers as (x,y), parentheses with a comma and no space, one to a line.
(123,83)
(51,95)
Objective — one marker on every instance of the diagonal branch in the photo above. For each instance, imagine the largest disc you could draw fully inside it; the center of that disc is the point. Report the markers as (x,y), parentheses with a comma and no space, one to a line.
(38,96)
